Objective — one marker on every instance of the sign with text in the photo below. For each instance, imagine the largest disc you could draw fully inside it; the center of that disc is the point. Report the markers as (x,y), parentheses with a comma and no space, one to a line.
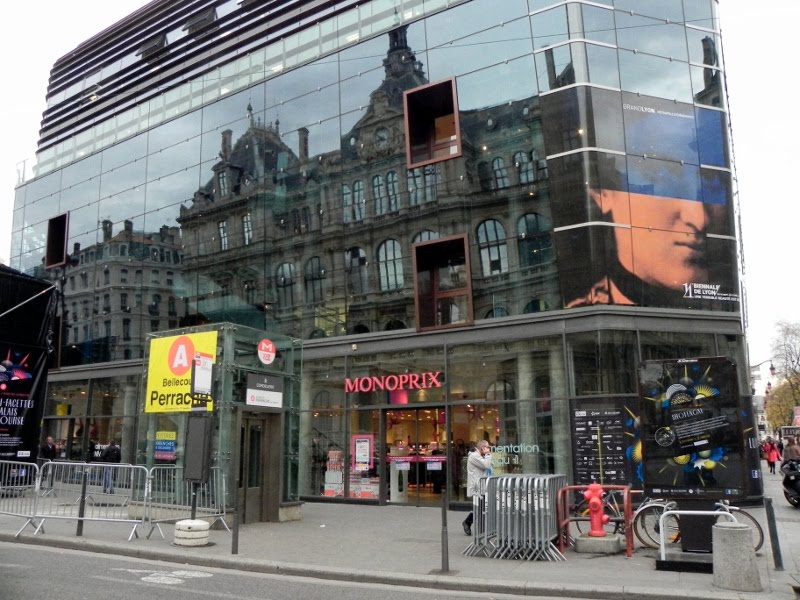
(266,351)
(22,381)
(264,390)
(692,429)
(179,373)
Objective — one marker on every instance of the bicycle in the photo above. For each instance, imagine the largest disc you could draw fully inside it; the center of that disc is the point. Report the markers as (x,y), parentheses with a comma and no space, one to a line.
(646,521)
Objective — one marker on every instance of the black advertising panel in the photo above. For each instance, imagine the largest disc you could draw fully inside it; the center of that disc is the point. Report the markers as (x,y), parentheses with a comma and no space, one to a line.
(198,448)
(26,317)
(692,429)
(605,441)
(22,395)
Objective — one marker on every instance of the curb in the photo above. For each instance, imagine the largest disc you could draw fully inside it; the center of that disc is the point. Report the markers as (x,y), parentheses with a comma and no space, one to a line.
(438,581)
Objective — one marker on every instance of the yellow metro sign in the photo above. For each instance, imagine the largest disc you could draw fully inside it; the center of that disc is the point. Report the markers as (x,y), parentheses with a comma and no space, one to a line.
(169,372)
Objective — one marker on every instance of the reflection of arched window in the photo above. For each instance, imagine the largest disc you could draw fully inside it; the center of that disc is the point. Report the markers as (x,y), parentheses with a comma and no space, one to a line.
(500,390)
(393,188)
(422,185)
(250,288)
(379,195)
(394,324)
(347,203)
(485,177)
(314,274)
(493,247)
(524,167)
(425,235)
(355,265)
(284,283)
(358,201)
(535,243)
(500,173)
(497,311)
(390,265)
(317,334)
(536,305)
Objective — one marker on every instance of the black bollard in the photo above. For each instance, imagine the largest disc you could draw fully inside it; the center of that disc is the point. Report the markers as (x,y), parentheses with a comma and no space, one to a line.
(773,535)
(445,546)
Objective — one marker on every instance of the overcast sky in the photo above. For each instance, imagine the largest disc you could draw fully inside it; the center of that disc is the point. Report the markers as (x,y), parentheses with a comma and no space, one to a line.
(758,43)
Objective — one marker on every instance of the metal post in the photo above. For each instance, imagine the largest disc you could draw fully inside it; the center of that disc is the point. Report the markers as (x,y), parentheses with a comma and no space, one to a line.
(445,545)
(194,499)
(82,507)
(773,535)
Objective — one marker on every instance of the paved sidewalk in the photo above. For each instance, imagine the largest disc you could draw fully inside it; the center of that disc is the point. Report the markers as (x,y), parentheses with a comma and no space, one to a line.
(402,545)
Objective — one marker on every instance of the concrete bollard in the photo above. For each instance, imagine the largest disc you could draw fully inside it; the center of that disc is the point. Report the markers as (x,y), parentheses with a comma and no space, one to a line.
(191,532)
(734,558)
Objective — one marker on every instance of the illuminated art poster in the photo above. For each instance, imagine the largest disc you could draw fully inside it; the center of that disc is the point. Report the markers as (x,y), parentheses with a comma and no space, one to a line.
(692,427)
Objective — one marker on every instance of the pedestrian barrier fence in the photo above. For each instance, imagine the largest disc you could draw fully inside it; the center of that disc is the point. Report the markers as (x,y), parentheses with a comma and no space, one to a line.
(515,517)
(107,492)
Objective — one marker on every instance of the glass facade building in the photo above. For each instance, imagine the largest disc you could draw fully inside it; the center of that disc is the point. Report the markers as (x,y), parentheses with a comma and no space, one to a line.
(479,217)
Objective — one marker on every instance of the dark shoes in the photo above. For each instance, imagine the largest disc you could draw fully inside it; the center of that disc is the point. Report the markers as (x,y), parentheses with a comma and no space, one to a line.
(467,528)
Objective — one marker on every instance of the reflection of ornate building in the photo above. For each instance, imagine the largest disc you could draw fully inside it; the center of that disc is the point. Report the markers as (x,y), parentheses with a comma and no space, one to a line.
(245,223)
(407,187)
(117,291)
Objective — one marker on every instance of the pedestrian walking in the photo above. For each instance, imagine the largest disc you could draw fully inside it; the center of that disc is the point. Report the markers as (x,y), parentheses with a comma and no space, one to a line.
(771,453)
(479,464)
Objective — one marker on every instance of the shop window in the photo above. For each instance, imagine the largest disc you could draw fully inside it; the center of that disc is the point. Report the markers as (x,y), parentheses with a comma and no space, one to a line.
(493,247)
(535,243)
(442,283)
(390,265)
(431,122)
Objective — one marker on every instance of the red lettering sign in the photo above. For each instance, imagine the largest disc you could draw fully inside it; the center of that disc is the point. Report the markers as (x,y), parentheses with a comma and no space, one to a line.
(392,383)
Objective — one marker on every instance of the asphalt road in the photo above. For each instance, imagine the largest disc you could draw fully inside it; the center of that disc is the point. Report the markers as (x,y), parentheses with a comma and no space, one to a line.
(30,572)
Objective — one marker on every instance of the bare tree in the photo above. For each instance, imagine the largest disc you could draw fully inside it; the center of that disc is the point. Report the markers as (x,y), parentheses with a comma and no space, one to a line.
(786,357)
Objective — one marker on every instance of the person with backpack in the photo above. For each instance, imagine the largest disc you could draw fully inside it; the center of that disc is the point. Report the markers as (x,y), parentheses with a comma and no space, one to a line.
(110,454)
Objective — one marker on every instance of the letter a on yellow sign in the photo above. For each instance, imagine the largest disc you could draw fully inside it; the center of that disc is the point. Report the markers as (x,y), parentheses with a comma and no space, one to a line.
(169,372)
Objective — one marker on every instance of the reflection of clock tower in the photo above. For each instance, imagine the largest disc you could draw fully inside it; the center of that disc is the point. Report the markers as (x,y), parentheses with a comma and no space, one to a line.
(379,133)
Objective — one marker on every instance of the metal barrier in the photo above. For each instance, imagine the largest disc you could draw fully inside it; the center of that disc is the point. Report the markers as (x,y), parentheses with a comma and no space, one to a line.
(171,497)
(18,481)
(107,492)
(515,517)
(565,515)
(90,492)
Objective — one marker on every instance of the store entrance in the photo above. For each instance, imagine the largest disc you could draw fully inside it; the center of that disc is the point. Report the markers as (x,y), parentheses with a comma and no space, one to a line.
(258,475)
(416,456)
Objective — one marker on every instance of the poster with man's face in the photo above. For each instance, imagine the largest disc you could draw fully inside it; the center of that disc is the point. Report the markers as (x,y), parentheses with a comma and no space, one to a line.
(651,212)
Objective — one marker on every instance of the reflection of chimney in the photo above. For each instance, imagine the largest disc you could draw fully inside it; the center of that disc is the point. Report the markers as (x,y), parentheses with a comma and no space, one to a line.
(76,248)
(227,137)
(303,133)
(128,226)
(107,225)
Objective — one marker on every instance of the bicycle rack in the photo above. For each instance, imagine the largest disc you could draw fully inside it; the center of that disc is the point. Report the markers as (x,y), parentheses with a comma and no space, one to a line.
(662,538)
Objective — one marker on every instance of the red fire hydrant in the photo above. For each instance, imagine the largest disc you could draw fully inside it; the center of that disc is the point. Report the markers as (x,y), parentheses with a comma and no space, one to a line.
(596,516)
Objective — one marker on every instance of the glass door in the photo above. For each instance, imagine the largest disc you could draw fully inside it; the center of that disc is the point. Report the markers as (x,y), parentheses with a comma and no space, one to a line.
(252,446)
(416,456)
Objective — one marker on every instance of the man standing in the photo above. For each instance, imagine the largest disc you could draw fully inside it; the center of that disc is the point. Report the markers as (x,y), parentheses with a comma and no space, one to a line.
(110,454)
(48,450)
(479,464)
